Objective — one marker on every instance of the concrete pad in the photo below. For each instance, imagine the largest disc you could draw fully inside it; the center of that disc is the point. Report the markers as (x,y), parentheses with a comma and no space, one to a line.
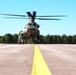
(61,59)
(16,59)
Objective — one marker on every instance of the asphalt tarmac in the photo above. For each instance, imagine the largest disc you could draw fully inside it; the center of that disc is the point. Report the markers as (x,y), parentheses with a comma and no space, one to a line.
(16,59)
(61,59)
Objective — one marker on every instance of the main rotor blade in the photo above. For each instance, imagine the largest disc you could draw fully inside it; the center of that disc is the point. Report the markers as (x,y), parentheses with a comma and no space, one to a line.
(14,15)
(47,19)
(29,14)
(28,18)
(34,14)
(53,16)
(15,18)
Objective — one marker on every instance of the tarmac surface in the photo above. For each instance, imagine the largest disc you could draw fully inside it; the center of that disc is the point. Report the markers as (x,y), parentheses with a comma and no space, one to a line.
(61,59)
(16,59)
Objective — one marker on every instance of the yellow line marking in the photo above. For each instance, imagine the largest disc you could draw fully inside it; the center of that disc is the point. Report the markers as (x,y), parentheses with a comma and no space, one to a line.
(39,65)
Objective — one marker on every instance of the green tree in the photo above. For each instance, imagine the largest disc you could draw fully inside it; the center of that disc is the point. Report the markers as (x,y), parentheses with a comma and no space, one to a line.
(2,40)
(8,38)
(47,39)
(69,39)
(58,39)
(15,38)
(55,39)
(74,39)
(64,39)
(51,39)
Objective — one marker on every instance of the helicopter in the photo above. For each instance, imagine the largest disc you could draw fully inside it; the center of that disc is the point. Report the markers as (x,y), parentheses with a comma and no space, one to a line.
(32,30)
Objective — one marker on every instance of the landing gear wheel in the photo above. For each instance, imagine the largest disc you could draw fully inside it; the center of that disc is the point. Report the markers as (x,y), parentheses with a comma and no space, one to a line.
(20,41)
(20,38)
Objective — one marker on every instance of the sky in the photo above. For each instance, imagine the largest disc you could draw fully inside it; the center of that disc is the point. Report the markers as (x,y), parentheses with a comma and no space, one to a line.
(67,25)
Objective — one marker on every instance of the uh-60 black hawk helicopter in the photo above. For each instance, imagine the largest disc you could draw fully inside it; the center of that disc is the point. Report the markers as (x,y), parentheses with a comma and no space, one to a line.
(31,29)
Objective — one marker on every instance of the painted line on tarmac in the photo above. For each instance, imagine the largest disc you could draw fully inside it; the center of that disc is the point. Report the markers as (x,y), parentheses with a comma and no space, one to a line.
(39,65)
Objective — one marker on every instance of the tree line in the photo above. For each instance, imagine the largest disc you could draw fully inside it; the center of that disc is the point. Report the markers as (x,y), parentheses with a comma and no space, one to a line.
(57,39)
(48,39)
(9,38)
